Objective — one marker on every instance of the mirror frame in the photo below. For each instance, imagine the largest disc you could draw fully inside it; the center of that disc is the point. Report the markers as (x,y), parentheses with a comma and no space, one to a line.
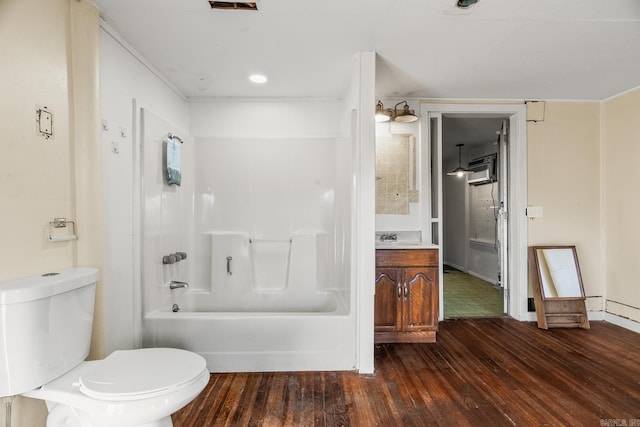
(540,274)
(561,311)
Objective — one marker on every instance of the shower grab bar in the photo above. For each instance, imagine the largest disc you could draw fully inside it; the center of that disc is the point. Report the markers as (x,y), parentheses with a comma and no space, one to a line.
(229,272)
(270,240)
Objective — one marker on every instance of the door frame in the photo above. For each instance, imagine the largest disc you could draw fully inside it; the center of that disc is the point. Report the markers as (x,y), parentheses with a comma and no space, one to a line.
(517,192)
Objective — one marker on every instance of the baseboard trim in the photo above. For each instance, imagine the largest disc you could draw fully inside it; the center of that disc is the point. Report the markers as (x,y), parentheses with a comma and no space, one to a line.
(595,315)
(632,325)
(456,266)
(591,315)
(481,277)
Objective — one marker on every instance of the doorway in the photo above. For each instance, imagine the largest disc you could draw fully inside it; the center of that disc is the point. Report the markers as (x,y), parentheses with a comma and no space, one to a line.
(473,147)
(476,233)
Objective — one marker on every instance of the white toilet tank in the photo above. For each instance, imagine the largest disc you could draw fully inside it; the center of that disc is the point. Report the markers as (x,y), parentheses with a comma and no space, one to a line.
(45,327)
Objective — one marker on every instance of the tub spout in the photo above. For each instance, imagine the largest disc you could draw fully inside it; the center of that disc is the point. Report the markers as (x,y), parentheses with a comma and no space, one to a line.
(176,285)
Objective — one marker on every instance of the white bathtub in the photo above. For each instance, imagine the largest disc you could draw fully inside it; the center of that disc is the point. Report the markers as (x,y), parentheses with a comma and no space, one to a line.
(320,338)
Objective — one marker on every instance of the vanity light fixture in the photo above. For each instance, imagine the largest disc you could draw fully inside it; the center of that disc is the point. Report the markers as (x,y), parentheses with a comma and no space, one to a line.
(459,171)
(404,116)
(382,115)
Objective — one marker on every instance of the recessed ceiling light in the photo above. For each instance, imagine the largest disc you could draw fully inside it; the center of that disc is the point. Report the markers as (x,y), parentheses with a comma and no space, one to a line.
(258,78)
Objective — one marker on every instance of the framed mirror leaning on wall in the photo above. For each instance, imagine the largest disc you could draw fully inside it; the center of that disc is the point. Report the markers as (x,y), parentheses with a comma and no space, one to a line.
(554,275)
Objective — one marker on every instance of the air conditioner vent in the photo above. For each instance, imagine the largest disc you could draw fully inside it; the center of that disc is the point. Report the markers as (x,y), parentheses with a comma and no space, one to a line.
(227,5)
(479,177)
(484,170)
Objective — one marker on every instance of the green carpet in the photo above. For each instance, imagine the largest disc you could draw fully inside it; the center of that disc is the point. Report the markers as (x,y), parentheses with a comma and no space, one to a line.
(468,296)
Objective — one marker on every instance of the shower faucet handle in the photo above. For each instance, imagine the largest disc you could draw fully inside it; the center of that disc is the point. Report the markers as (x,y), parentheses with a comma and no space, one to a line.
(174,284)
(389,237)
(173,258)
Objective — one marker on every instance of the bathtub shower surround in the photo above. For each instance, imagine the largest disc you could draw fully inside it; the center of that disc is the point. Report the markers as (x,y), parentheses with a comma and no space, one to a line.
(251,274)
(264,310)
(266,224)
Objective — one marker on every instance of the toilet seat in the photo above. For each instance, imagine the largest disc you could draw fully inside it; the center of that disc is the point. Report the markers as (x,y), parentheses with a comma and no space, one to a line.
(139,374)
(128,388)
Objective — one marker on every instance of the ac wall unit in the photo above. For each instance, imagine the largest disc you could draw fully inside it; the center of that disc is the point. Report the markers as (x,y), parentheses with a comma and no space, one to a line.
(479,177)
(484,170)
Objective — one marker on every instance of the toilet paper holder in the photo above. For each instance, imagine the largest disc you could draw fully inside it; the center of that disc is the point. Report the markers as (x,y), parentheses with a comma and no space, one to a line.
(62,223)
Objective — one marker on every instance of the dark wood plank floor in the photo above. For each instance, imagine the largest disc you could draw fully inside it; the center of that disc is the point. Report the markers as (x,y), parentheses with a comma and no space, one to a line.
(481,372)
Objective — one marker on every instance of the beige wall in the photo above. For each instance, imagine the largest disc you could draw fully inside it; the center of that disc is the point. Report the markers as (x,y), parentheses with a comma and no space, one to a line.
(581,162)
(563,163)
(36,173)
(621,151)
(50,52)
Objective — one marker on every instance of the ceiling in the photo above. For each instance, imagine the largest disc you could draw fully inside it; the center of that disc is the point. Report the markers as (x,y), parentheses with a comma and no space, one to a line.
(474,132)
(496,49)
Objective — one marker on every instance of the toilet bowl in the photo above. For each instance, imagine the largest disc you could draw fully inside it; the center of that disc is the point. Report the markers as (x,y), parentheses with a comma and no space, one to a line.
(45,334)
(128,388)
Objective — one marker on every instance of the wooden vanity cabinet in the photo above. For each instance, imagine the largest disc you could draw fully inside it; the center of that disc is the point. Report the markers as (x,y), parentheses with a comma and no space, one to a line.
(406,302)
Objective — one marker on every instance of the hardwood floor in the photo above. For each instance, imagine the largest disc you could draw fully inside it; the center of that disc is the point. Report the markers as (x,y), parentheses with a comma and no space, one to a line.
(481,372)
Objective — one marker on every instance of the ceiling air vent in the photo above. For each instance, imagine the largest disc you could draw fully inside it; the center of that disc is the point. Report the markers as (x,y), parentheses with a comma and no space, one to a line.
(229,5)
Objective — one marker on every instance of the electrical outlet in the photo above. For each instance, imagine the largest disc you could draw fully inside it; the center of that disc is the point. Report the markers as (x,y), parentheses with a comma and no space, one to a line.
(44,122)
(534,211)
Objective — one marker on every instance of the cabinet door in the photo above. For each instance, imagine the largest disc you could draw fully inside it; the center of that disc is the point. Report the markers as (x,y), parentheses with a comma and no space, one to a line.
(420,299)
(387,316)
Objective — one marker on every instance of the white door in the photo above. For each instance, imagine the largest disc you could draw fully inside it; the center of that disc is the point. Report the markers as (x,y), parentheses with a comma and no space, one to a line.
(503,213)
(432,156)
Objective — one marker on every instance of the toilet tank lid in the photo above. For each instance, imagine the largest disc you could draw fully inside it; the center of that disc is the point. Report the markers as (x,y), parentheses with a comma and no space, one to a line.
(47,285)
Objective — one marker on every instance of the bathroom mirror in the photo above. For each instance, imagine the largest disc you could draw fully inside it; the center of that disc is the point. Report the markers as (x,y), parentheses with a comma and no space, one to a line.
(396,174)
(554,274)
(559,273)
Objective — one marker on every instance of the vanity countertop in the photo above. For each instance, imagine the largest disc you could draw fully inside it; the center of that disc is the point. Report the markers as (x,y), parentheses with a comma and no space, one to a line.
(404,245)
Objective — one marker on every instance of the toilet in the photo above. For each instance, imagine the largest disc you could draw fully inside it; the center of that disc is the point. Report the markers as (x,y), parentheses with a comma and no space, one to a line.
(45,334)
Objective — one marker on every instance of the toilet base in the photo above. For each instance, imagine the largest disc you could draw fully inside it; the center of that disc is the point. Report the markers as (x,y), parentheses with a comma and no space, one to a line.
(66,416)
(70,406)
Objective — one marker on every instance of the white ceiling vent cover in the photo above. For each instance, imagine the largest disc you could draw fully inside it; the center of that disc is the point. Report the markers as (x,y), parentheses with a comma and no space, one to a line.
(230,5)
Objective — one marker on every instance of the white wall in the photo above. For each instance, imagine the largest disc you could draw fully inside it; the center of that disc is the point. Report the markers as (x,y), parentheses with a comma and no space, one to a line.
(411,221)
(454,221)
(277,118)
(126,78)
(362,99)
